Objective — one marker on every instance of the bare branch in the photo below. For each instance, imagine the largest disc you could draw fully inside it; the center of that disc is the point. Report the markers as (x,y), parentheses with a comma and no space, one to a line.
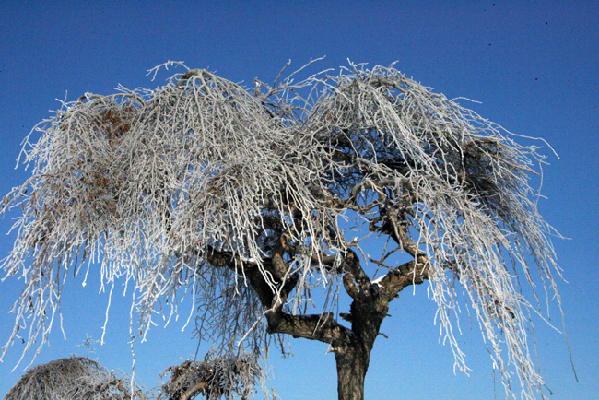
(321,327)
(401,277)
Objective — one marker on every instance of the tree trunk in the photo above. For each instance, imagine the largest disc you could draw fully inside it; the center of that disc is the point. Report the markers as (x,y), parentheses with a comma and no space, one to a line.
(352,365)
(368,309)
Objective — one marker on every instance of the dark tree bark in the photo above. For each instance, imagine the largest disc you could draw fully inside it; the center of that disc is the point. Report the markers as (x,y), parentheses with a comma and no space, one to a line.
(352,365)
(353,358)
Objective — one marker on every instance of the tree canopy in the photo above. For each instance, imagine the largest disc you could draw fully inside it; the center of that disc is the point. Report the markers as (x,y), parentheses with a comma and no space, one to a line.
(260,203)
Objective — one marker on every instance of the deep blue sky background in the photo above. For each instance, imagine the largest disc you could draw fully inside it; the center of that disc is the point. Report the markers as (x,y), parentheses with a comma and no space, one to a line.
(533,65)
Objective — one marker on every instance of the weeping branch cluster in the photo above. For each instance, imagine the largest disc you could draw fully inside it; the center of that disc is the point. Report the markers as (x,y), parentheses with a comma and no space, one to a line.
(213,378)
(72,378)
(244,201)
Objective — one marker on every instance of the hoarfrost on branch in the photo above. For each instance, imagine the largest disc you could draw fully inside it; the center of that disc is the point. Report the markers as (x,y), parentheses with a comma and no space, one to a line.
(244,200)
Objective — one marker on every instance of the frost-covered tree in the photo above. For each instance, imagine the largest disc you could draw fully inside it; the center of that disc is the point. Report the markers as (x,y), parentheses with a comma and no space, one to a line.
(267,205)
(72,378)
(213,378)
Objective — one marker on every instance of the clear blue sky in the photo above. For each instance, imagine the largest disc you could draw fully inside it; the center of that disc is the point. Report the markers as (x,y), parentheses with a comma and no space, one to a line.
(533,65)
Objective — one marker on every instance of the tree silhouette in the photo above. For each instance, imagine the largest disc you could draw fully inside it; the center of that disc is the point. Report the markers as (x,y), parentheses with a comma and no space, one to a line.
(249,200)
